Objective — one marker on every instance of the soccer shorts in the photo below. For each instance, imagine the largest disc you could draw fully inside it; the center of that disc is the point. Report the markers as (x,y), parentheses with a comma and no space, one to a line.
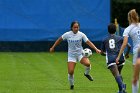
(75,58)
(135,56)
(111,60)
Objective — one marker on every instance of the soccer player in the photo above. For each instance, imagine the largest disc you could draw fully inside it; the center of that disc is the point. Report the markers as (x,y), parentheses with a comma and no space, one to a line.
(111,46)
(119,33)
(74,39)
(133,30)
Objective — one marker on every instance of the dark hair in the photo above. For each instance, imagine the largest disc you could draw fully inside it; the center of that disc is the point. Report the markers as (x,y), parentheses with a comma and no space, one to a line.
(74,22)
(111,28)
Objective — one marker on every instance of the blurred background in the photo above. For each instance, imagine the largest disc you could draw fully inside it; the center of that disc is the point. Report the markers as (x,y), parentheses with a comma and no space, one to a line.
(34,25)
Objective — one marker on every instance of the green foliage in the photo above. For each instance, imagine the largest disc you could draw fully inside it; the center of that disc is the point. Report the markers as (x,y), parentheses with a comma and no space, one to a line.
(47,73)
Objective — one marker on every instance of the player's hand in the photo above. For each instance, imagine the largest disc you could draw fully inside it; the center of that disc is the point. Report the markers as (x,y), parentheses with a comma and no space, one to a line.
(117,60)
(98,51)
(51,49)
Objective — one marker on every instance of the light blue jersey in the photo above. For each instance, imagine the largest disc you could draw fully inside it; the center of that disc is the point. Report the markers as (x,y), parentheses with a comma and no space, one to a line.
(133,31)
(74,42)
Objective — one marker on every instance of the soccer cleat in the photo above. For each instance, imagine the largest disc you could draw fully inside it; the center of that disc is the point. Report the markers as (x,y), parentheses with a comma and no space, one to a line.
(89,77)
(72,87)
(124,91)
(124,88)
(120,92)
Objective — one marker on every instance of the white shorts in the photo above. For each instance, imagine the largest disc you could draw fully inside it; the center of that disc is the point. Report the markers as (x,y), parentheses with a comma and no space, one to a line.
(75,58)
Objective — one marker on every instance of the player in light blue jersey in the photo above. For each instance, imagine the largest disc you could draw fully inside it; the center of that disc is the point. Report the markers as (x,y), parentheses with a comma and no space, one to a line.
(133,31)
(74,39)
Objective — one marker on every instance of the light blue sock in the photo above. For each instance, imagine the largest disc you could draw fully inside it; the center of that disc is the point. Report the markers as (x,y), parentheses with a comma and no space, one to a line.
(135,88)
(71,79)
(87,70)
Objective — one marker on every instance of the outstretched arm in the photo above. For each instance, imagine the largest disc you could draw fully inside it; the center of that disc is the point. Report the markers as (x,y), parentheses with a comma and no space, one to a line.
(57,42)
(93,46)
(125,41)
(128,50)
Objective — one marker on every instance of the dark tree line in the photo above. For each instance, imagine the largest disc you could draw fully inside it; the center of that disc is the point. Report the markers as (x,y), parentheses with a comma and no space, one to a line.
(120,10)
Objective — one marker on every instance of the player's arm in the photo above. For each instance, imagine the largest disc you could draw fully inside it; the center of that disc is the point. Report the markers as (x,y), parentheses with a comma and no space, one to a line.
(88,42)
(125,41)
(128,50)
(57,42)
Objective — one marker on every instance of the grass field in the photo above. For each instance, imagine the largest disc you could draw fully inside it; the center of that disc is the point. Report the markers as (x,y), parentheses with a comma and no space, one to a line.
(47,73)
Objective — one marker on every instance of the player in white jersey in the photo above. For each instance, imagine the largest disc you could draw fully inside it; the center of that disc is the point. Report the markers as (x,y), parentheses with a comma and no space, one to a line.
(133,30)
(74,39)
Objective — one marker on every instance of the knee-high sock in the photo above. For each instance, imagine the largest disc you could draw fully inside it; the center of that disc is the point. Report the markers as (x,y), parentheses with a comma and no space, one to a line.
(87,70)
(121,77)
(135,88)
(71,79)
(120,83)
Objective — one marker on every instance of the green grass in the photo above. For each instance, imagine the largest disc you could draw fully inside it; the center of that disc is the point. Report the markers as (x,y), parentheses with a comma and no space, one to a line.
(47,73)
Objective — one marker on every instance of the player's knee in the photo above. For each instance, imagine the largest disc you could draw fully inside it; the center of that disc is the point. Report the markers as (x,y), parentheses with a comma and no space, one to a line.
(138,61)
(87,64)
(71,72)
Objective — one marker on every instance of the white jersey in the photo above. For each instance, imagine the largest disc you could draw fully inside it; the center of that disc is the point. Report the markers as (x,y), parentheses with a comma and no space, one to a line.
(74,42)
(133,31)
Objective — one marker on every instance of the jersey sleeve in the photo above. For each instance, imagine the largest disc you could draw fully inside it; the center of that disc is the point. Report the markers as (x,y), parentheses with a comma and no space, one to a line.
(64,36)
(84,37)
(126,32)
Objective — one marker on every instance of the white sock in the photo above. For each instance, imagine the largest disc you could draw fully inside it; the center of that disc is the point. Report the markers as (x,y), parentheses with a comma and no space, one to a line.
(87,70)
(71,79)
(135,88)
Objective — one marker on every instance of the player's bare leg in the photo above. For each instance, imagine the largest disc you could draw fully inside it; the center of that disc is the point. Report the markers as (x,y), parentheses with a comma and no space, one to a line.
(115,73)
(85,61)
(135,87)
(71,67)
